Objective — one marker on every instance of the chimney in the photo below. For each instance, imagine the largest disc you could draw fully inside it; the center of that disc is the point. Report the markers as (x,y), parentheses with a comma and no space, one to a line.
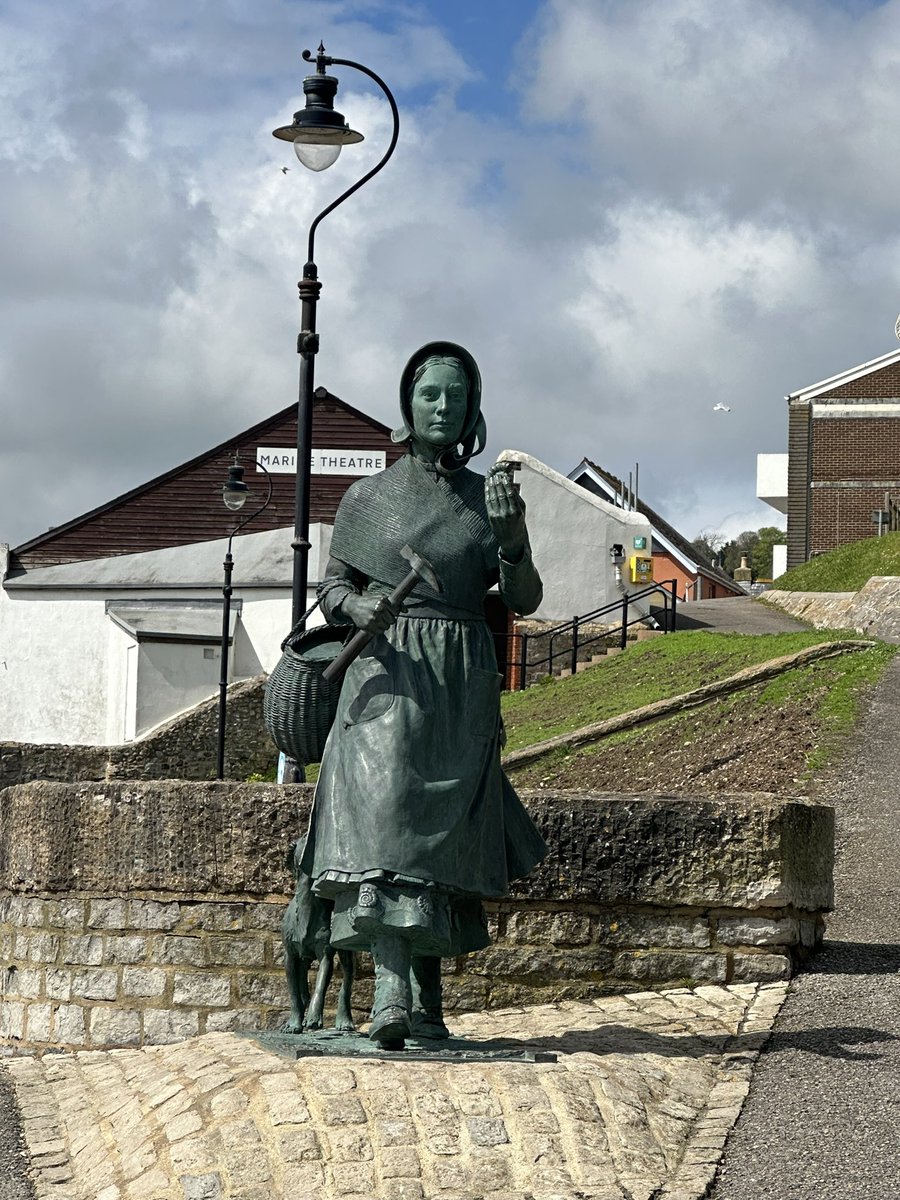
(743,574)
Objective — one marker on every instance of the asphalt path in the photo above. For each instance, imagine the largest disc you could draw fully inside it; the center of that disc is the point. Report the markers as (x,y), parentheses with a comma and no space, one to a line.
(735,614)
(14,1181)
(822,1121)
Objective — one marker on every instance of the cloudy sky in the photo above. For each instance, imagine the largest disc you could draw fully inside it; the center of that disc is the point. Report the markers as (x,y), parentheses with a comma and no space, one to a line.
(629,212)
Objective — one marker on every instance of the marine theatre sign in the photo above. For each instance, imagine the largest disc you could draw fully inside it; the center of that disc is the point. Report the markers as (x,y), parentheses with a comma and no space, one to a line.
(281,460)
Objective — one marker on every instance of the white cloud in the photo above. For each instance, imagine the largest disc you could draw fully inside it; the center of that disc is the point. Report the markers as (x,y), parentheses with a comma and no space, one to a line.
(702,220)
(762,105)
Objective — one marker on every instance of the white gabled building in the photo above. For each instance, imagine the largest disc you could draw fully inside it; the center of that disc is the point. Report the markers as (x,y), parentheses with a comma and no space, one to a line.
(99,652)
(573,534)
(674,558)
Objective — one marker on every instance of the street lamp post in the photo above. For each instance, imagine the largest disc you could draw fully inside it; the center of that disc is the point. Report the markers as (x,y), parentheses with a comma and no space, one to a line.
(234,496)
(318,133)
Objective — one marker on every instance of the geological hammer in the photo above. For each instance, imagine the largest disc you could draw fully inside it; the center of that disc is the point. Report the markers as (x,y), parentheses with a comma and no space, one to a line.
(420,568)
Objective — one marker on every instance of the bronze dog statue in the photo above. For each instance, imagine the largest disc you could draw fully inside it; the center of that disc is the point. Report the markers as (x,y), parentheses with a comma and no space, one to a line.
(306,934)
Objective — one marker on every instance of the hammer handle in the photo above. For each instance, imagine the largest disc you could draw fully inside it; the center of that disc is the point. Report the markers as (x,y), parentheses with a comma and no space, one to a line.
(361,638)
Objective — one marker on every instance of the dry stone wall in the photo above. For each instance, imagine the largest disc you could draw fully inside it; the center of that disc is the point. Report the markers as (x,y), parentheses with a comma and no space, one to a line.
(141,912)
(873,610)
(183,748)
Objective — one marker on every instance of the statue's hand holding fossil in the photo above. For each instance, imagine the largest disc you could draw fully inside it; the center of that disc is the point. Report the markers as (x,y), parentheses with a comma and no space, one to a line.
(505,510)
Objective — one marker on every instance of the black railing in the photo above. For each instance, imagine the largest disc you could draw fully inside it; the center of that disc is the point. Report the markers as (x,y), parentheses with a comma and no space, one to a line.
(522,668)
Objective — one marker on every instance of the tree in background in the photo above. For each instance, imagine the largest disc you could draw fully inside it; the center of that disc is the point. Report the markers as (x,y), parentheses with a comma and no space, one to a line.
(756,544)
(769,536)
(708,544)
(733,551)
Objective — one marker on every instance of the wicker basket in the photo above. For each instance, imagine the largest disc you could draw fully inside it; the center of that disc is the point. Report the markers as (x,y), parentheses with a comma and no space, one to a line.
(299,705)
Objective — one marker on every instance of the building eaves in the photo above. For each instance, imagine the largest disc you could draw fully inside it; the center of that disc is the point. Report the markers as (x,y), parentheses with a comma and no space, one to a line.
(248,435)
(802,395)
(677,542)
(262,560)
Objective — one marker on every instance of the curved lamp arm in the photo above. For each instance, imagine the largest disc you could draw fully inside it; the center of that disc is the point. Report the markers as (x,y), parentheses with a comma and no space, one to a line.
(327,61)
(252,517)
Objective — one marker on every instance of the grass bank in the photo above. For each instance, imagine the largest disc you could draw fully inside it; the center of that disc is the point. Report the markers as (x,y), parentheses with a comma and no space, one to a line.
(647,671)
(846,569)
(773,737)
(776,737)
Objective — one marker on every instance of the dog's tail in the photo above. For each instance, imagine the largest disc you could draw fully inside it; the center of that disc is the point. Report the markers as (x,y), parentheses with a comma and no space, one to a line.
(292,858)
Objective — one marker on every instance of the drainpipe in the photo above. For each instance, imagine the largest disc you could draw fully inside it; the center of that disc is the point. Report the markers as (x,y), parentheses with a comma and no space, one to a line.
(617,557)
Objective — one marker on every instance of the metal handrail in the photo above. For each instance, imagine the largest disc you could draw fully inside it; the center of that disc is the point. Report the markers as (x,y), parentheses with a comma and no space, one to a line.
(668,589)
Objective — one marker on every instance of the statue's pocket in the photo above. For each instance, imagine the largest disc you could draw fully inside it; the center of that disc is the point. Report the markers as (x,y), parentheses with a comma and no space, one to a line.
(483,703)
(374,691)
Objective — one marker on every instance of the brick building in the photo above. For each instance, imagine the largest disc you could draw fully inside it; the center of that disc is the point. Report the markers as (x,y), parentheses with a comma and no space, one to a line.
(843,460)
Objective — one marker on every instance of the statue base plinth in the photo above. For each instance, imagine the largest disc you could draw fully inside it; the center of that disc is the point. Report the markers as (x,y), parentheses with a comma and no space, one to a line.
(332,1043)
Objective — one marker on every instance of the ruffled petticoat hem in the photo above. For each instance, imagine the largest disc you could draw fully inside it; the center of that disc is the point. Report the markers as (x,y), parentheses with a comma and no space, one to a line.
(434,920)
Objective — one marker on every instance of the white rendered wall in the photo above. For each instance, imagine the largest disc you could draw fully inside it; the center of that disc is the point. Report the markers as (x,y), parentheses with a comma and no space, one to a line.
(53,669)
(266,622)
(779,561)
(772,480)
(571,533)
(70,674)
(173,676)
(64,665)
(121,687)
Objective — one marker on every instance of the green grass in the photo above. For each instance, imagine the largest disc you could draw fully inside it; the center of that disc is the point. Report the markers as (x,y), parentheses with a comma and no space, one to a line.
(647,671)
(817,706)
(846,569)
(839,685)
(679,662)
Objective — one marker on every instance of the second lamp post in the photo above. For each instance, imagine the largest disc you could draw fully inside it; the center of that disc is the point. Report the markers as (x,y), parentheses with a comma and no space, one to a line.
(234,496)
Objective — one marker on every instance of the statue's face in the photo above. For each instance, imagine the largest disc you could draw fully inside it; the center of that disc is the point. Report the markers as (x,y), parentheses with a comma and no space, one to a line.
(439,403)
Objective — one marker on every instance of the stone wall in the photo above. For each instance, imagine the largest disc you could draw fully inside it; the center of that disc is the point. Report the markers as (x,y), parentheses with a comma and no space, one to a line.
(142,912)
(538,647)
(183,748)
(873,610)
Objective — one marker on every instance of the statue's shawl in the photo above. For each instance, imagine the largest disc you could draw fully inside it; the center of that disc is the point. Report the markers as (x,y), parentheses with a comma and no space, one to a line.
(441,518)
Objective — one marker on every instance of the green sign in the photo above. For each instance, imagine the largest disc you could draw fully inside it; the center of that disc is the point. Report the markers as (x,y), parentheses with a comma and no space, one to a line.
(640,543)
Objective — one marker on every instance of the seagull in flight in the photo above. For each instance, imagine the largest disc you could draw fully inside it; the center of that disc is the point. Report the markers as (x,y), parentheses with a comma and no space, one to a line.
(284,170)
(721,408)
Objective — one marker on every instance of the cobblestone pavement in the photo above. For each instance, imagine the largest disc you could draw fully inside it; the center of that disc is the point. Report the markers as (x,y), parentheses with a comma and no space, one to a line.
(637,1107)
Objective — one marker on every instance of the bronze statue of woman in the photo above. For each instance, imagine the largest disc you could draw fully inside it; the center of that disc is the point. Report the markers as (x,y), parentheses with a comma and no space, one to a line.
(414,822)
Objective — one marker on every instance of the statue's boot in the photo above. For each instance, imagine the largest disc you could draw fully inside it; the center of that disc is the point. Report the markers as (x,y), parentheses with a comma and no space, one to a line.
(393,998)
(427,1004)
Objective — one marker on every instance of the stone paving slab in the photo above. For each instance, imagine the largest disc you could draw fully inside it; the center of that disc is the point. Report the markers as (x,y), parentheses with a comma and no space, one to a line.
(637,1107)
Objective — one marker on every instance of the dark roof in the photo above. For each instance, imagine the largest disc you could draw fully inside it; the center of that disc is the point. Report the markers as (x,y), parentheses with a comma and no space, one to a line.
(678,540)
(184,504)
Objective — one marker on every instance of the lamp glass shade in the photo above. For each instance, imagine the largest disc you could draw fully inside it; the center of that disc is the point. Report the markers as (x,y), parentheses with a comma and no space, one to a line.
(234,490)
(316,157)
(234,496)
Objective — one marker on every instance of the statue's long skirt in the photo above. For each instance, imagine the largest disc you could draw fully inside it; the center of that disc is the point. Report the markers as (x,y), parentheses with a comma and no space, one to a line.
(414,821)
